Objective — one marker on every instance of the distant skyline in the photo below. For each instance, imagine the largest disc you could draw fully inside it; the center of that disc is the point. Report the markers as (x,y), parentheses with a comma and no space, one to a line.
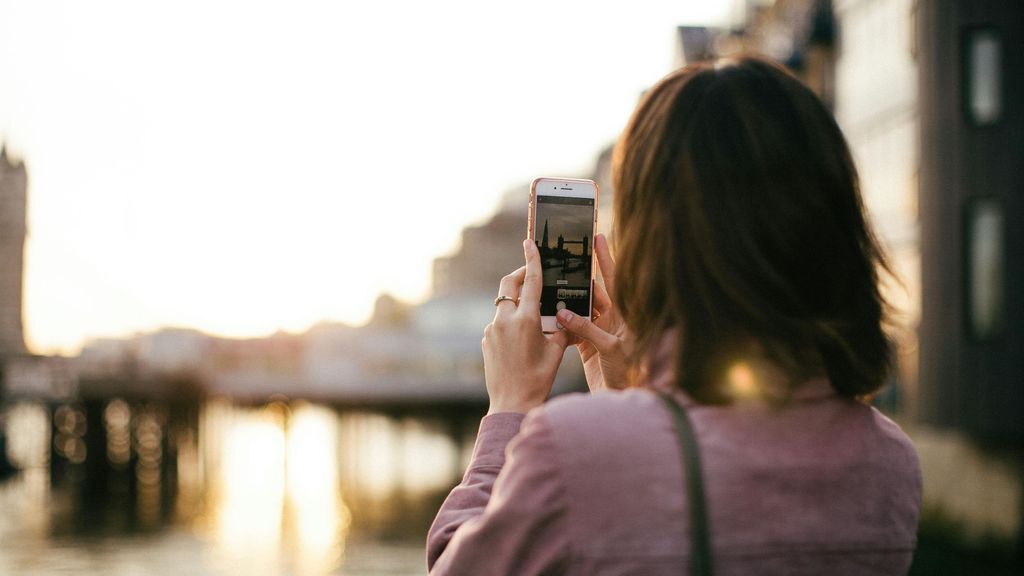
(218,165)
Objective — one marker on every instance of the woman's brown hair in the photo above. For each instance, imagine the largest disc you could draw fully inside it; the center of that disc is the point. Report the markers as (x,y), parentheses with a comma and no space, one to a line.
(740,223)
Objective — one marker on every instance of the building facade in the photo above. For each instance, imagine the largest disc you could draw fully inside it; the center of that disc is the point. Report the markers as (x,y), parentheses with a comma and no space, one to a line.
(972,209)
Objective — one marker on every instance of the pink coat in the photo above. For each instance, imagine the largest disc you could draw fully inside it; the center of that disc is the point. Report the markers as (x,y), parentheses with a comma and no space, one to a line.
(593,485)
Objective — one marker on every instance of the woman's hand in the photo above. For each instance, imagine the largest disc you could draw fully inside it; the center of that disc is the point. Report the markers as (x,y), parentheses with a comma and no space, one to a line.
(603,343)
(520,361)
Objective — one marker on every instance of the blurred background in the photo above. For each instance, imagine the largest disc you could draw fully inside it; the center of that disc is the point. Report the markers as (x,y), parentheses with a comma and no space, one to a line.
(247,250)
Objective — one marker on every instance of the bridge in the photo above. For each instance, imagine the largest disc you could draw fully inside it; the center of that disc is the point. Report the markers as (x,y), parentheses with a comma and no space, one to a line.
(438,380)
(405,387)
(585,241)
(427,367)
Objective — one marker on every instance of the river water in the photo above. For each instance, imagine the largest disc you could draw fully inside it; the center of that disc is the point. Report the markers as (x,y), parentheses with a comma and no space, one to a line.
(277,489)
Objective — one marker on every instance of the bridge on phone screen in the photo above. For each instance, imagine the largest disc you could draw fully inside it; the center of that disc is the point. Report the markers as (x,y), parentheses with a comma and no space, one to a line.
(585,242)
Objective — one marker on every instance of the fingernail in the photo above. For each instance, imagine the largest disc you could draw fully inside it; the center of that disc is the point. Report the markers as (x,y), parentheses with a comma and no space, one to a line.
(526,243)
(565,315)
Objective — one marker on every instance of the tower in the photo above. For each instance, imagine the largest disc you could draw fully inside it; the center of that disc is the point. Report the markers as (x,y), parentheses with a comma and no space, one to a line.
(544,242)
(13,183)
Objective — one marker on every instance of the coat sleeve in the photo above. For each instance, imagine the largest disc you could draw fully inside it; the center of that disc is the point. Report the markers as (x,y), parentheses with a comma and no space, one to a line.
(504,518)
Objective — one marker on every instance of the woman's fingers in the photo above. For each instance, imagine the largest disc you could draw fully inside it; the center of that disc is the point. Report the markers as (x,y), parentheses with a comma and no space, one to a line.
(604,260)
(602,302)
(509,287)
(604,342)
(561,339)
(529,296)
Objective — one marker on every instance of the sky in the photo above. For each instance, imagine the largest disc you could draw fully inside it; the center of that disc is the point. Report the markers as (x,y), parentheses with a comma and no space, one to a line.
(224,165)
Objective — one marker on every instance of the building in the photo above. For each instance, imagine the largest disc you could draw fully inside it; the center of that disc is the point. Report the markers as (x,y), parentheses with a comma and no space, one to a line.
(925,92)
(971,176)
(13,184)
(22,375)
(972,211)
(487,252)
(942,177)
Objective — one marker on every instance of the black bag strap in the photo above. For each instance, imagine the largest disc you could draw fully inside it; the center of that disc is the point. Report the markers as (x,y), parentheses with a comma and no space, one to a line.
(700,554)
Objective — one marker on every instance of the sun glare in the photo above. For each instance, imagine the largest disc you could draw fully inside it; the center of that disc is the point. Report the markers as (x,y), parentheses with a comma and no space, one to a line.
(320,515)
(742,383)
(251,490)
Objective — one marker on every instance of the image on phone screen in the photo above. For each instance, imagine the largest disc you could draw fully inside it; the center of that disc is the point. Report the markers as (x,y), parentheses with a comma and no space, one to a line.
(564,229)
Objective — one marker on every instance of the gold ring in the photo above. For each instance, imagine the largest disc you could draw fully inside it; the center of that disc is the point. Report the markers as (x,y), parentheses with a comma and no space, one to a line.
(501,299)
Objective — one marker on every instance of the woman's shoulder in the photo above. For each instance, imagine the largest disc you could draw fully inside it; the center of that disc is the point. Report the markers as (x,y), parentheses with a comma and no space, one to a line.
(811,425)
(896,442)
(597,407)
(581,419)
(858,423)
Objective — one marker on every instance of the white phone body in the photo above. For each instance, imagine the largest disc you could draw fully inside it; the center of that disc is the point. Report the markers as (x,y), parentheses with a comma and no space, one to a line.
(562,222)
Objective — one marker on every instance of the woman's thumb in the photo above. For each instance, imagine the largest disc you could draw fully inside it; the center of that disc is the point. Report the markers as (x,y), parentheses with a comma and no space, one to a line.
(584,328)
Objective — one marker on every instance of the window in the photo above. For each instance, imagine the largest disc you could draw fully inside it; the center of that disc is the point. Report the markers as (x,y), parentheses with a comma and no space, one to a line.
(984,268)
(983,77)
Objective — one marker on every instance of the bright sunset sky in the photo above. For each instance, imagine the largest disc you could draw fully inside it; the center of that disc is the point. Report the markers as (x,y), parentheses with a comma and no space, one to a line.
(223,165)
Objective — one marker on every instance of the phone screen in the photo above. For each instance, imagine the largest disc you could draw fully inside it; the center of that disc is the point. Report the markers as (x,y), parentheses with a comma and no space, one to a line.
(564,235)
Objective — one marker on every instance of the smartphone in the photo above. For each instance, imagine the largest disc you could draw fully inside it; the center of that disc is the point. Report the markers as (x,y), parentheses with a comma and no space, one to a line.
(562,222)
